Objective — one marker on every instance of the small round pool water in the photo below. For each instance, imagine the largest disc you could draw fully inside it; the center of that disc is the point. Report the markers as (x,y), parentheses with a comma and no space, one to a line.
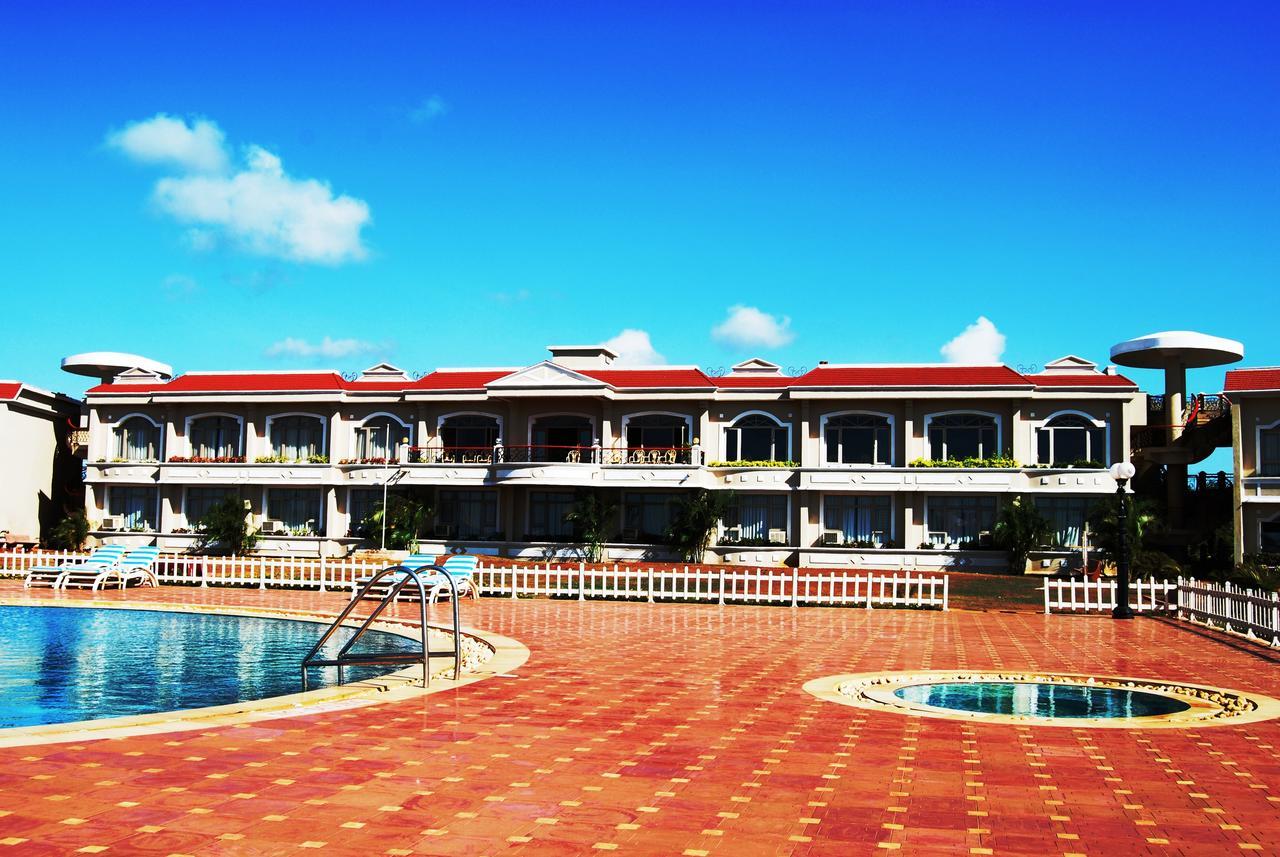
(59,664)
(1041,699)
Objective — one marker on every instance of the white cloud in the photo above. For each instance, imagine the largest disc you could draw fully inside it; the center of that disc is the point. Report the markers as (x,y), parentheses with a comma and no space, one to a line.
(747,326)
(634,349)
(256,206)
(980,342)
(432,107)
(328,348)
(169,141)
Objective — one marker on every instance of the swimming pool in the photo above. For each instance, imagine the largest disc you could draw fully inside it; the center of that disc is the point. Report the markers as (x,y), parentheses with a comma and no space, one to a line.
(61,664)
(1041,699)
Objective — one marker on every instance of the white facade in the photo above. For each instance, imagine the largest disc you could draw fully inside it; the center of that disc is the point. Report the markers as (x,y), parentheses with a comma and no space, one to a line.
(36,468)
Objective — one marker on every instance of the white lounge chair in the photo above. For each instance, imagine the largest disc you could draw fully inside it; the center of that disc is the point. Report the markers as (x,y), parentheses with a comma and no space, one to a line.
(412,561)
(460,567)
(137,565)
(51,575)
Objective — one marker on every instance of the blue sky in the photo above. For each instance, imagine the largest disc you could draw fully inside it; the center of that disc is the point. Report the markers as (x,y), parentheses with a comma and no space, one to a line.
(461,186)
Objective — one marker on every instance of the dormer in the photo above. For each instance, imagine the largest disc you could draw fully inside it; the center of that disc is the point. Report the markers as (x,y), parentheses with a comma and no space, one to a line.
(582,356)
(384,372)
(138,376)
(756,368)
(1070,365)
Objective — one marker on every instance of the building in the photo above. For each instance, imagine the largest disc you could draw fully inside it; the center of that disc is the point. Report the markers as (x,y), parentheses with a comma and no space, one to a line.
(826,468)
(1255,410)
(39,475)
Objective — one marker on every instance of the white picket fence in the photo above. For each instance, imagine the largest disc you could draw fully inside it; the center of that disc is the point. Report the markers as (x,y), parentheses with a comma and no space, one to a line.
(1250,612)
(718,584)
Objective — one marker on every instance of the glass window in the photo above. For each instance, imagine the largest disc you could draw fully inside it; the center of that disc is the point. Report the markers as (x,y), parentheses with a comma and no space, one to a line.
(961,436)
(469,514)
(137,439)
(657,431)
(1071,439)
(361,503)
(381,437)
(1269,537)
(547,510)
(1269,452)
(957,519)
(214,437)
(136,506)
(859,518)
(1066,516)
(647,516)
(561,437)
(858,439)
(757,519)
(469,431)
(756,437)
(297,438)
(298,509)
(201,498)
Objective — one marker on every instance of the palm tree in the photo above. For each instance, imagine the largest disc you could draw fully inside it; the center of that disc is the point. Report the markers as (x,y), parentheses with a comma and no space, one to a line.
(1020,530)
(695,520)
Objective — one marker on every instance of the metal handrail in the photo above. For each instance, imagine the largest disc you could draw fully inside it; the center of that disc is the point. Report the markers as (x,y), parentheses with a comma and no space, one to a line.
(345,658)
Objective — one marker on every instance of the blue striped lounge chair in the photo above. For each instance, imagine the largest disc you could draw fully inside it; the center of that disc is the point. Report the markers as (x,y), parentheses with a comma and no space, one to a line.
(137,565)
(51,575)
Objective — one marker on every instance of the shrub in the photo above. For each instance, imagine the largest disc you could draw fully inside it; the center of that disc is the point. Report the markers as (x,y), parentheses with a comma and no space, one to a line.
(70,532)
(746,463)
(225,529)
(591,517)
(694,521)
(406,519)
(1021,529)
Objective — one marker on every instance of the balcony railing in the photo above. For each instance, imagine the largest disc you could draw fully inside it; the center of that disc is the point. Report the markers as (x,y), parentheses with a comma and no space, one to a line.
(545,453)
(451,455)
(652,455)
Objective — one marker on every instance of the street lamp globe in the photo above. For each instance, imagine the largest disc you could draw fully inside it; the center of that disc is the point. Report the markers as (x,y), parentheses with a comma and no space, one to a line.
(1122,471)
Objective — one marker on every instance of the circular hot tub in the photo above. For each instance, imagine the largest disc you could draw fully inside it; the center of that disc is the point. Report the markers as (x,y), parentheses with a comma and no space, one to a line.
(1051,699)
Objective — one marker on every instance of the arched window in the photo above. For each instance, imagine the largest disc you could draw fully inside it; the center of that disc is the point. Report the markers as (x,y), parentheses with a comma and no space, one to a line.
(137,439)
(657,431)
(297,437)
(1070,439)
(756,437)
(469,431)
(561,437)
(859,439)
(214,436)
(381,437)
(960,436)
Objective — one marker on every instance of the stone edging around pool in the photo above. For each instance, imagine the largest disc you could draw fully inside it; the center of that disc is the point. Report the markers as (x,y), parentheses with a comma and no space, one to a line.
(1209,706)
(508,655)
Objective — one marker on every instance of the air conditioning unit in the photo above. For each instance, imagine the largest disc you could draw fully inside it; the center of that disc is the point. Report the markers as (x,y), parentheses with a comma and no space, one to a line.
(777,537)
(938,538)
(732,534)
(111,522)
(446,531)
(832,537)
(877,538)
(270,526)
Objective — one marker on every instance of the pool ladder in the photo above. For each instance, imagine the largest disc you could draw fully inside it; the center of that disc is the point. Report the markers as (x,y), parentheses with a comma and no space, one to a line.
(346,658)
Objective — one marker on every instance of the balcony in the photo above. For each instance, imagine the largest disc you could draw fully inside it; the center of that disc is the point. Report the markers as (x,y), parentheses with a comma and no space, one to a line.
(235,470)
(122,471)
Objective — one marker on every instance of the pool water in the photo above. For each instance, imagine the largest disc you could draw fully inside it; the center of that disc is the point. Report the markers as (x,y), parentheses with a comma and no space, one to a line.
(59,664)
(1041,699)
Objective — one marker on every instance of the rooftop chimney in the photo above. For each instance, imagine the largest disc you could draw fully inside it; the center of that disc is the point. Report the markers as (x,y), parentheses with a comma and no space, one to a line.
(582,356)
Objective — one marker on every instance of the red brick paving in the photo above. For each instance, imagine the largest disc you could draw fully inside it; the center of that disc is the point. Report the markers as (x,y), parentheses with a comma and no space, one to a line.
(678,729)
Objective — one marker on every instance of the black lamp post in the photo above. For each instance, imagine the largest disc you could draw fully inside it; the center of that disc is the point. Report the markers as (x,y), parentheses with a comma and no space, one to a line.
(1122,472)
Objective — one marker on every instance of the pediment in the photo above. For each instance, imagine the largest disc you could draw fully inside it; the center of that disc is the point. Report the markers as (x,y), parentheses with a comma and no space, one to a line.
(1070,365)
(756,366)
(137,376)
(384,372)
(544,374)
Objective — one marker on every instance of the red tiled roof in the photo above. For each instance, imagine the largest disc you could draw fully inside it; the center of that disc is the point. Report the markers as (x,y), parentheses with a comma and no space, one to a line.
(911,376)
(9,390)
(1252,380)
(1088,380)
(471,379)
(651,377)
(235,382)
(754,382)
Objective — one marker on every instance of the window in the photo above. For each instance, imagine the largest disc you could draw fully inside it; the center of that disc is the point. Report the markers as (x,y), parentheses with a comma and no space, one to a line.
(298,509)
(961,436)
(298,437)
(561,437)
(859,518)
(1269,452)
(1071,438)
(1269,536)
(200,499)
(757,519)
(547,510)
(756,437)
(214,437)
(137,439)
(135,506)
(361,503)
(957,519)
(381,437)
(469,514)
(858,439)
(1067,518)
(646,516)
(657,431)
(477,431)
